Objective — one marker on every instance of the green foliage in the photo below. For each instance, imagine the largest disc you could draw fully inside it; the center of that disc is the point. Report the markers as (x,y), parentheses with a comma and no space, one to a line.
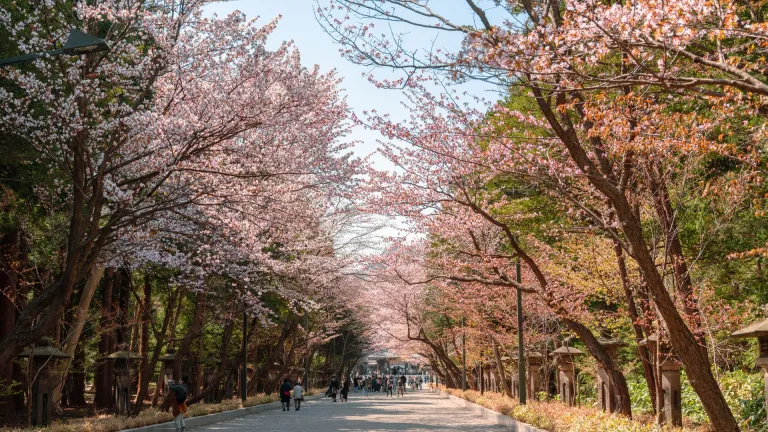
(9,389)
(587,388)
(638,394)
(742,390)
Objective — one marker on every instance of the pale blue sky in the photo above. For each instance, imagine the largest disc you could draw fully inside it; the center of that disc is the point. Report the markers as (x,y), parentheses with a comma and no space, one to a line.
(298,24)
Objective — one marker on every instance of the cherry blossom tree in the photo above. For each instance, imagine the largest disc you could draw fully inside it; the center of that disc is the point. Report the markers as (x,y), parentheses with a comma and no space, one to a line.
(590,71)
(134,136)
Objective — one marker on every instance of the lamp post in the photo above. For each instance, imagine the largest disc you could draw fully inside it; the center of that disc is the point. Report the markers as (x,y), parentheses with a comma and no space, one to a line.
(244,374)
(463,355)
(78,43)
(305,380)
(520,346)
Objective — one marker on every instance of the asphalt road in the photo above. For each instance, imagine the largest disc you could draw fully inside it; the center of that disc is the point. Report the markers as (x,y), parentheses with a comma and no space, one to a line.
(417,411)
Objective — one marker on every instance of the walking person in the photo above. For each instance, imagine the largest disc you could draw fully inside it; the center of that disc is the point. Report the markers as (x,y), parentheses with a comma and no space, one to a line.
(401,386)
(356,382)
(345,390)
(334,388)
(298,396)
(367,385)
(390,386)
(285,394)
(178,391)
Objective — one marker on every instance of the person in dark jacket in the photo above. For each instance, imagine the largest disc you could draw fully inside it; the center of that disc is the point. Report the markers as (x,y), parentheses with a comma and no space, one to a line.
(333,388)
(285,394)
(178,395)
(345,390)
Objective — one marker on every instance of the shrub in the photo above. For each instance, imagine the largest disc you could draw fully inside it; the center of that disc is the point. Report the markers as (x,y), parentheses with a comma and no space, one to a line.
(557,417)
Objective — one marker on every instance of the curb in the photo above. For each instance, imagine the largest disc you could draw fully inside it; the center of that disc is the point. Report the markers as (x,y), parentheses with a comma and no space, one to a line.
(204,420)
(496,417)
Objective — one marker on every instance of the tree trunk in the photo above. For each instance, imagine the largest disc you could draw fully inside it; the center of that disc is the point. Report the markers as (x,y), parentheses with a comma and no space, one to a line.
(674,249)
(123,285)
(136,327)
(44,312)
(623,402)
(682,339)
(505,385)
(194,330)
(253,385)
(146,376)
(104,369)
(175,300)
(9,255)
(289,327)
(145,371)
(645,356)
(451,369)
(176,316)
(76,329)
(184,347)
(213,385)
(76,393)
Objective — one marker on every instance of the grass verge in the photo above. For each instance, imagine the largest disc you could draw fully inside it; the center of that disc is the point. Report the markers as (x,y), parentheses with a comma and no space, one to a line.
(555,416)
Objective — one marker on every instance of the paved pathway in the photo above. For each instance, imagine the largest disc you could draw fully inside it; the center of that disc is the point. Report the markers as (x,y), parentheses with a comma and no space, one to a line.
(418,411)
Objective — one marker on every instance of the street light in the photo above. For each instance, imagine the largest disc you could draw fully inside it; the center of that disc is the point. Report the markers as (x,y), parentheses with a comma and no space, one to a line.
(463,355)
(244,373)
(78,43)
(520,347)
(307,359)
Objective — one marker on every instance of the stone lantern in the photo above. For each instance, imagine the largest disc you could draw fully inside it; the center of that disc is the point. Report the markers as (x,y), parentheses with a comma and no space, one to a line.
(229,384)
(381,365)
(299,373)
(535,360)
(125,370)
(273,371)
(671,407)
(169,360)
(209,371)
(42,361)
(759,330)
(564,357)
(606,392)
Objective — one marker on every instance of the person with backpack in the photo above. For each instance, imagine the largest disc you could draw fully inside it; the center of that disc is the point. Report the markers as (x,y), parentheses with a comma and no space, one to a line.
(285,394)
(298,396)
(178,393)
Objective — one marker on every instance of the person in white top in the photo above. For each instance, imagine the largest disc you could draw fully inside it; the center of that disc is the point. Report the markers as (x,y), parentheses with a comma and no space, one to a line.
(298,396)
